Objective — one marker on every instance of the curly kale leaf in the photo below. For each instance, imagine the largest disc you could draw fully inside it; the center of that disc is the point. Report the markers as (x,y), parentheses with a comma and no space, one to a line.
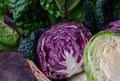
(116,9)
(89,16)
(28,15)
(28,46)
(100,14)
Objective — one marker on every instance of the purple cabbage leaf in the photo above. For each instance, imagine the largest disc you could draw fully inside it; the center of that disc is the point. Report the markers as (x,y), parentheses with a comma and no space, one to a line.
(113,26)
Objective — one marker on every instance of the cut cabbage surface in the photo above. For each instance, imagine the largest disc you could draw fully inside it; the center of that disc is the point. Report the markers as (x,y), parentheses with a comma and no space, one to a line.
(102,57)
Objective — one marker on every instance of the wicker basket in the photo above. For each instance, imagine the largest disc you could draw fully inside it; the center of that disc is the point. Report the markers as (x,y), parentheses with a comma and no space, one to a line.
(38,74)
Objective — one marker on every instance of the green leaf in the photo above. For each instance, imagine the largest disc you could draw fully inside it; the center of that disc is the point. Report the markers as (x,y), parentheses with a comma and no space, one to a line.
(116,9)
(52,7)
(7,48)
(78,14)
(60,4)
(9,38)
(7,35)
(99,14)
(57,7)
(71,4)
(28,15)
(3,8)
(89,15)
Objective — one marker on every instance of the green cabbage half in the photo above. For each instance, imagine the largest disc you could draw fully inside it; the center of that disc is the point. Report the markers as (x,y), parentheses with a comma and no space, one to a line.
(102,57)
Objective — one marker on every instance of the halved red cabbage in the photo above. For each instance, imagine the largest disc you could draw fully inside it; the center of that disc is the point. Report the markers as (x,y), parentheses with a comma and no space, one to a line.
(60,49)
(113,26)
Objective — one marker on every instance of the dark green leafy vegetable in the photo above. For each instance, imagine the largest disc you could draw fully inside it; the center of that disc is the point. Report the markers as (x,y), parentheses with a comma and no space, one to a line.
(116,9)
(8,18)
(7,48)
(59,8)
(28,46)
(9,37)
(99,14)
(78,13)
(51,7)
(28,15)
(89,15)
(3,7)
(70,5)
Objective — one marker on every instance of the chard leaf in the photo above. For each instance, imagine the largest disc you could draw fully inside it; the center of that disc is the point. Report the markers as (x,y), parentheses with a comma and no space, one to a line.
(77,15)
(7,48)
(8,36)
(52,7)
(3,7)
(28,15)
(71,4)
(60,4)
(59,7)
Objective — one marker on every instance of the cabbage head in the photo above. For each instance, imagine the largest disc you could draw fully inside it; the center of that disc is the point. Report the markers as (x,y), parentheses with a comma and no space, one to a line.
(102,57)
(113,26)
(60,49)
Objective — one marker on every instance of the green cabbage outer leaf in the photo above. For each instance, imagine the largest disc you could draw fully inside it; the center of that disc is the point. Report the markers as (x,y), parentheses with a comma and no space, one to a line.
(102,57)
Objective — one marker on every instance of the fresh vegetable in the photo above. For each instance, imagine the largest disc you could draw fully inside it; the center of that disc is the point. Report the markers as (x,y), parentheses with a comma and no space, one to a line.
(78,13)
(14,68)
(100,14)
(64,9)
(89,16)
(113,26)
(3,8)
(28,15)
(78,77)
(59,8)
(28,47)
(101,57)
(51,7)
(115,9)
(60,49)
(8,18)
(9,38)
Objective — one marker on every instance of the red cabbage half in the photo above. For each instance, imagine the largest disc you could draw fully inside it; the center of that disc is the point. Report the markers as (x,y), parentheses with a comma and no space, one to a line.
(60,49)
(113,26)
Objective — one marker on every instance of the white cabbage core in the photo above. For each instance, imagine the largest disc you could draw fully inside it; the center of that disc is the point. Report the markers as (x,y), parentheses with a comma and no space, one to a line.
(72,66)
(109,57)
